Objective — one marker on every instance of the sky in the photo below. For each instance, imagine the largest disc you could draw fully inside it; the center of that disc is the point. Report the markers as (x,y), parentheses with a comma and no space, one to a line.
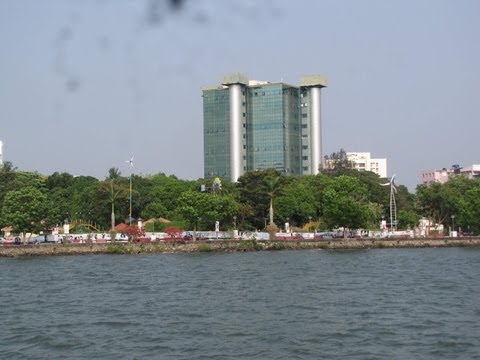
(85,85)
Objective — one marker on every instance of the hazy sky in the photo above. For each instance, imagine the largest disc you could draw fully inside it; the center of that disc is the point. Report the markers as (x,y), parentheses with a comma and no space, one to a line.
(86,84)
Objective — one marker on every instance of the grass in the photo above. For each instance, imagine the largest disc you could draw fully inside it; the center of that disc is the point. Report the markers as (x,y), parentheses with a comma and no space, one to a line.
(279,245)
(204,247)
(250,245)
(117,249)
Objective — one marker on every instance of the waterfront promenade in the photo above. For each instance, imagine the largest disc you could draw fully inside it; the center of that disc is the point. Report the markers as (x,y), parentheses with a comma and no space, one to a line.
(232,246)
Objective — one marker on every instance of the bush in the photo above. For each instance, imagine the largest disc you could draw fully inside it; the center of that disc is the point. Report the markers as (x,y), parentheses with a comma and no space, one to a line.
(279,245)
(116,249)
(272,230)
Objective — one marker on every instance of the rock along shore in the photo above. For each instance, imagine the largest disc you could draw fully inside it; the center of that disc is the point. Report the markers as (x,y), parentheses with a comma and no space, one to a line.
(231,246)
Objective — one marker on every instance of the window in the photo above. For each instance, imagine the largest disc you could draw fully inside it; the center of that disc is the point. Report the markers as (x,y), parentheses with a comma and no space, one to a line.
(304,157)
(304,115)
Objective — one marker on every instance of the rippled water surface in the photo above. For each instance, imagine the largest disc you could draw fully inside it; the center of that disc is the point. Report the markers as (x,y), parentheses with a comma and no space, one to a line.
(365,304)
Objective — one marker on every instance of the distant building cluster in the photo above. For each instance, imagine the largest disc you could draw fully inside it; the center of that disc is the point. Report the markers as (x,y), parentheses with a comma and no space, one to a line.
(442,175)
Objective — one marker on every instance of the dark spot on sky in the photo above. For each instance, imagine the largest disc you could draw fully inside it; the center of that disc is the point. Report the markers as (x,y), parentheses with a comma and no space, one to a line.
(156,10)
(72,84)
(65,34)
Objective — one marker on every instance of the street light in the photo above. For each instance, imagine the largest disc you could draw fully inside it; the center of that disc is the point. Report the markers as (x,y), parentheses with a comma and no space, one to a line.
(453,223)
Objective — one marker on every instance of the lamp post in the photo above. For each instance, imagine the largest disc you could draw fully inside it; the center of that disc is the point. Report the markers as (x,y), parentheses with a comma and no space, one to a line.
(130,213)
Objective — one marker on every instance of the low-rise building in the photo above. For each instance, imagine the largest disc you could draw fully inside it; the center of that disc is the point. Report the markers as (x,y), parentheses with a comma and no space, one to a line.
(430,176)
(442,176)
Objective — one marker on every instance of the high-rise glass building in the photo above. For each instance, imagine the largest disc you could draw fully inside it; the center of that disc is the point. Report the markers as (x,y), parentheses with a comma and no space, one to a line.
(253,125)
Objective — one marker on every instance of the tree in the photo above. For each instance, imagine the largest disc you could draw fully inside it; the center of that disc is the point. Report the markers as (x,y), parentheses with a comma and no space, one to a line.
(114,174)
(59,181)
(273,188)
(195,205)
(457,197)
(252,193)
(345,204)
(25,210)
(297,203)
(154,210)
(165,192)
(113,195)
(407,219)
(337,163)
(469,214)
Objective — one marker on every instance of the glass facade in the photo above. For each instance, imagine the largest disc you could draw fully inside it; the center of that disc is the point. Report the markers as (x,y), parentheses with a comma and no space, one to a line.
(216,133)
(273,138)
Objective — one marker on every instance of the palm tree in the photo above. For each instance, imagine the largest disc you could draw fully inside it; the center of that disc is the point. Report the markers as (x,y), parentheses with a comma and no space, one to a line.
(273,188)
(113,174)
(113,194)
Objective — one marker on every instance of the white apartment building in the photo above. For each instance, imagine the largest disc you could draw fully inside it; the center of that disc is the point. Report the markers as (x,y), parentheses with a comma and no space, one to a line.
(362,161)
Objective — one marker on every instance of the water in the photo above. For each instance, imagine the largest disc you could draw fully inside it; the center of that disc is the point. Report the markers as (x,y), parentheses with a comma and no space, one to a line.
(365,304)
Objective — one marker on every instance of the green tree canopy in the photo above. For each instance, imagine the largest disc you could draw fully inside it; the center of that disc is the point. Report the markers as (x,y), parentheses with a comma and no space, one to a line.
(25,210)
(345,203)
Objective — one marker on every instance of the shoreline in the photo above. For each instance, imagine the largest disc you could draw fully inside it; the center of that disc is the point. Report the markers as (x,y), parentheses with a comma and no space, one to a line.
(231,246)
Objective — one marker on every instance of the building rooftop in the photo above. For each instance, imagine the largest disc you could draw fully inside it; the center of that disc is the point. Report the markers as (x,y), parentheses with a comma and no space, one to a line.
(314,80)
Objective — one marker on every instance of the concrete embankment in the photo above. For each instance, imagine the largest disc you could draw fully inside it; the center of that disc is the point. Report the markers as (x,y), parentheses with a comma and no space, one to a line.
(231,246)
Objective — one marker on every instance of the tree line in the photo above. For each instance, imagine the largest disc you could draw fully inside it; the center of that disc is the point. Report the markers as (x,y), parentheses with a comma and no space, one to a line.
(337,197)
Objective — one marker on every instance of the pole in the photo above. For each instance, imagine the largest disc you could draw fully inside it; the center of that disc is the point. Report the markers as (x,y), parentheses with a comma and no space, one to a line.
(131,174)
(130,216)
